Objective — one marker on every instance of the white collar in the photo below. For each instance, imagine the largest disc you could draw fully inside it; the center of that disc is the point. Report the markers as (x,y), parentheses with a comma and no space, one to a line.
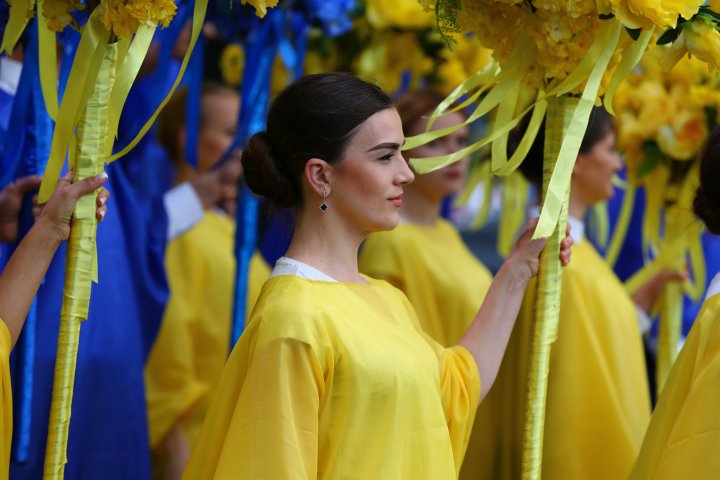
(714,287)
(577,229)
(9,74)
(290,266)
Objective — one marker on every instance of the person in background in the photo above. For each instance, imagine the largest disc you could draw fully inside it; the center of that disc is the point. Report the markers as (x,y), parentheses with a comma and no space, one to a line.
(194,340)
(683,439)
(598,403)
(25,270)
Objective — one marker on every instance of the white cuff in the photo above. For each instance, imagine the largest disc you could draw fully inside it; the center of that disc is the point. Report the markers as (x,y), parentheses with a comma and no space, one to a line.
(644,320)
(183,208)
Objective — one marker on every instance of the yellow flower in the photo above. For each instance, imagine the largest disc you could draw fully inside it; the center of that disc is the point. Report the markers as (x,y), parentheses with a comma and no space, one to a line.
(59,13)
(118,18)
(684,137)
(406,14)
(645,13)
(261,6)
(232,63)
(703,41)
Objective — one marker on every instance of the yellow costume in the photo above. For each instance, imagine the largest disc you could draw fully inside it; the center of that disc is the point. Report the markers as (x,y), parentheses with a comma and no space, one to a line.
(443,280)
(336,380)
(6,422)
(683,440)
(598,404)
(193,344)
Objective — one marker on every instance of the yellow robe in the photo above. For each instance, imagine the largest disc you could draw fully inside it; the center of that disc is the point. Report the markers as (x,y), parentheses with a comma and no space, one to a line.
(598,404)
(336,380)
(683,440)
(193,344)
(6,422)
(443,280)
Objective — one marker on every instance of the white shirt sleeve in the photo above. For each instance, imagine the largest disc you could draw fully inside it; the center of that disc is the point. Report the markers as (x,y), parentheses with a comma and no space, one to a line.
(644,320)
(183,208)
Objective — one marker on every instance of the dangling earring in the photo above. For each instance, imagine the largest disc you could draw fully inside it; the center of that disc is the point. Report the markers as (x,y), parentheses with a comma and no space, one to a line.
(323,205)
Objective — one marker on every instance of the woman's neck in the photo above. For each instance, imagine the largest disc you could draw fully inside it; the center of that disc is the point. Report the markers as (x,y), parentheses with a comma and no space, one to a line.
(577,206)
(323,241)
(419,208)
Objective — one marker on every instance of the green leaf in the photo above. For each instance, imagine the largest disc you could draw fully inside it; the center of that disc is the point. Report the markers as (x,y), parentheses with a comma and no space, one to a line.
(652,157)
(633,32)
(668,36)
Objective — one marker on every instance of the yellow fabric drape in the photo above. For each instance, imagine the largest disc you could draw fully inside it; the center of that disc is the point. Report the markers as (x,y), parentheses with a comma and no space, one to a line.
(191,349)
(598,404)
(441,277)
(333,380)
(6,419)
(80,265)
(684,433)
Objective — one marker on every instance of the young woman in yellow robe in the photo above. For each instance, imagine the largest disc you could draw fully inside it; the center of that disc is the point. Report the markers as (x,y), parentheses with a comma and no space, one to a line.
(192,346)
(683,439)
(333,378)
(26,269)
(598,403)
(424,256)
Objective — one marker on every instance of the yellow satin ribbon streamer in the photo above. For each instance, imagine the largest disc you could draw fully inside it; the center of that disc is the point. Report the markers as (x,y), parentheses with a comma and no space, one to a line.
(198,19)
(16,24)
(515,192)
(621,226)
(92,136)
(82,77)
(520,60)
(560,115)
(553,201)
(601,223)
(129,64)
(479,173)
(631,57)
(47,59)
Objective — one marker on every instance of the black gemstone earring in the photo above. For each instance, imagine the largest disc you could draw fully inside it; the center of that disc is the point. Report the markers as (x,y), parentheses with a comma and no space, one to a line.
(323,205)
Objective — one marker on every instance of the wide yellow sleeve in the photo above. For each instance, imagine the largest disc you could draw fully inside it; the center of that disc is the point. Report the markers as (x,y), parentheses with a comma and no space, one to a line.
(460,387)
(266,425)
(172,389)
(5,401)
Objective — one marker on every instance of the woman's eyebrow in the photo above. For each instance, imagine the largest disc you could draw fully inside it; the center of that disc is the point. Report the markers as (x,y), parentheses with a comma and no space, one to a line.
(389,145)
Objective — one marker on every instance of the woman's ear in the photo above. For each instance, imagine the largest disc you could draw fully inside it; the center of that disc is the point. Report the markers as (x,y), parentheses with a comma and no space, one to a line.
(318,174)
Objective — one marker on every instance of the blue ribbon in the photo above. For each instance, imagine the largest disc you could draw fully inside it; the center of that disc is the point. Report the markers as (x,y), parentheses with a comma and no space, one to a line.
(194,79)
(260,49)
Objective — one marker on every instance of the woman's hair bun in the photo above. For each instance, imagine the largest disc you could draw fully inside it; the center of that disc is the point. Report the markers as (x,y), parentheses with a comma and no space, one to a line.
(263,175)
(707,210)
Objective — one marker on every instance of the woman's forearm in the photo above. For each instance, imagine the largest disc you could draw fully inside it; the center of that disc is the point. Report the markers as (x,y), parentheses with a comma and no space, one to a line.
(488,335)
(23,274)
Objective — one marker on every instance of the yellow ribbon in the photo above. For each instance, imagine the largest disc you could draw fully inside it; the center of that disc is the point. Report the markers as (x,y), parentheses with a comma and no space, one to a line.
(47,44)
(631,57)
(515,192)
(198,19)
(132,60)
(621,225)
(479,173)
(553,201)
(82,77)
(16,24)
(600,223)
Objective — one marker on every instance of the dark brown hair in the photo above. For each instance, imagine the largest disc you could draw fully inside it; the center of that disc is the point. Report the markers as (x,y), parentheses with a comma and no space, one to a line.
(599,125)
(413,105)
(315,117)
(707,198)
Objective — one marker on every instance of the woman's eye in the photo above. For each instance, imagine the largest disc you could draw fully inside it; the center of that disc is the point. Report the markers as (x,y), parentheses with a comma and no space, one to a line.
(387,157)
